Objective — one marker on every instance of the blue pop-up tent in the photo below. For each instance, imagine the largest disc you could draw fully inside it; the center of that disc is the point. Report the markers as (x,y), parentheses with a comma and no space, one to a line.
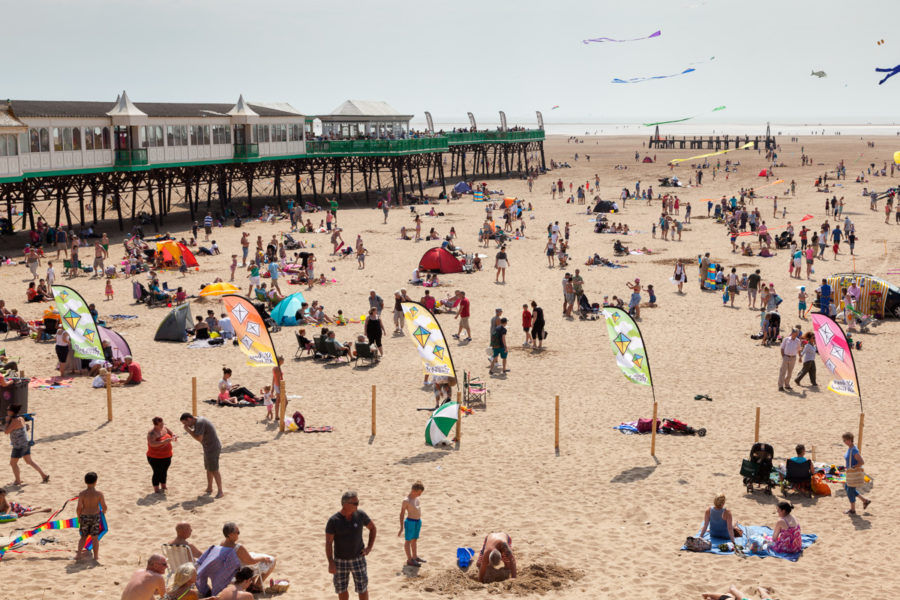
(462,188)
(284,313)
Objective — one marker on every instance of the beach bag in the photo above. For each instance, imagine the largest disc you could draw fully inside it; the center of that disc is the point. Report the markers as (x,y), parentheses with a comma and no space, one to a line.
(299,420)
(695,544)
(646,425)
(818,485)
(855,477)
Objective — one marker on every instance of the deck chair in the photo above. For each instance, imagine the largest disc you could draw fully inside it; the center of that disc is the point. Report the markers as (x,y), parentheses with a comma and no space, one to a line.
(308,347)
(176,555)
(364,351)
(319,345)
(797,477)
(474,391)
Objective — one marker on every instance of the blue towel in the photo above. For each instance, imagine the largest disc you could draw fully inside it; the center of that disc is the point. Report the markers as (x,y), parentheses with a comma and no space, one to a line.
(754,531)
(628,428)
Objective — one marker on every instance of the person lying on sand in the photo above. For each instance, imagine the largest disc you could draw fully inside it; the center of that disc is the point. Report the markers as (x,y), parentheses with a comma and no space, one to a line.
(735,593)
(496,549)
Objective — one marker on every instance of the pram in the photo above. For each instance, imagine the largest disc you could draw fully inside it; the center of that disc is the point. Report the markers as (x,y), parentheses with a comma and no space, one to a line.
(758,468)
(676,427)
(586,310)
(290,243)
(784,239)
(266,317)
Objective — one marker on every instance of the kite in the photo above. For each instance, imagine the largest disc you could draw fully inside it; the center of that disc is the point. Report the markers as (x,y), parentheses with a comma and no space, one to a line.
(628,346)
(880,42)
(430,343)
(250,331)
(890,73)
(804,219)
(606,39)
(701,62)
(555,107)
(640,79)
(716,109)
(819,74)
(78,322)
(678,160)
(838,358)
(58,524)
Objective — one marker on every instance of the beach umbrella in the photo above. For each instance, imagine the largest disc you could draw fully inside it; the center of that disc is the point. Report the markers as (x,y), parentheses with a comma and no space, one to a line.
(442,421)
(219,289)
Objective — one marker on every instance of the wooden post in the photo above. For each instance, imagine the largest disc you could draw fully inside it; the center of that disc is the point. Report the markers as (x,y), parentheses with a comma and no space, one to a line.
(109,399)
(756,429)
(556,427)
(862,419)
(373,410)
(653,432)
(194,396)
(459,416)
(814,454)
(282,405)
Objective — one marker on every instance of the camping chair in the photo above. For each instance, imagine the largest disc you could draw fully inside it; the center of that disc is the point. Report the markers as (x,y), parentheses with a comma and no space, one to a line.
(321,348)
(364,350)
(469,267)
(308,347)
(474,391)
(798,477)
(176,555)
(48,331)
(17,324)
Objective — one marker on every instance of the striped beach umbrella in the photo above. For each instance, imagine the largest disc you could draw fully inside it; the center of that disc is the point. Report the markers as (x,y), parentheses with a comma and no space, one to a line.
(442,421)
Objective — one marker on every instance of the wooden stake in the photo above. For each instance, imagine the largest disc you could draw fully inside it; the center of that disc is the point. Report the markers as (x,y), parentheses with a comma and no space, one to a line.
(109,399)
(373,410)
(459,416)
(862,419)
(194,396)
(756,429)
(556,427)
(282,405)
(653,432)
(814,454)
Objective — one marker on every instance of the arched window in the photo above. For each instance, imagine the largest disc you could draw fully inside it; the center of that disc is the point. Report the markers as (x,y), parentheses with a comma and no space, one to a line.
(88,138)
(106,144)
(57,140)
(35,138)
(45,140)
(76,138)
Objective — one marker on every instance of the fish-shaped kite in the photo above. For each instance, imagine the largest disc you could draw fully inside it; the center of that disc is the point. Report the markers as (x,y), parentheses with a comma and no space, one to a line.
(606,39)
(819,74)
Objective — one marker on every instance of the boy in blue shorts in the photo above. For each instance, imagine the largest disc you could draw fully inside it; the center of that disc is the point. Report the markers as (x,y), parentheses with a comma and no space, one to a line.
(411,523)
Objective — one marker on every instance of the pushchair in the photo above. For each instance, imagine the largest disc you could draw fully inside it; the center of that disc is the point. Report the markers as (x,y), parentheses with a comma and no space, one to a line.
(757,469)
(784,239)
(266,317)
(586,310)
(676,427)
(290,243)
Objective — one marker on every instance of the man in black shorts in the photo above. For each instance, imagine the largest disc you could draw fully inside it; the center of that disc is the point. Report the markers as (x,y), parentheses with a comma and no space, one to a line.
(344,547)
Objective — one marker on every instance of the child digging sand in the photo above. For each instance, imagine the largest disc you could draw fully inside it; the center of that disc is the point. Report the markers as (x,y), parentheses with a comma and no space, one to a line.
(90,503)
(411,524)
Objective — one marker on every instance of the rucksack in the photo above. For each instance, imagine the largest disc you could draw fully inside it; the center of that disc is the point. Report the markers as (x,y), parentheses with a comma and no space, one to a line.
(299,420)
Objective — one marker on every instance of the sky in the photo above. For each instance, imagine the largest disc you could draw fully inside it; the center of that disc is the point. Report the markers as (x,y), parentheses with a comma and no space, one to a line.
(468,55)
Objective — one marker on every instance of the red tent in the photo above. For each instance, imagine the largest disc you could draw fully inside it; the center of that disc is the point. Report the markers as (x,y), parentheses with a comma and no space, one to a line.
(647,159)
(438,259)
(762,173)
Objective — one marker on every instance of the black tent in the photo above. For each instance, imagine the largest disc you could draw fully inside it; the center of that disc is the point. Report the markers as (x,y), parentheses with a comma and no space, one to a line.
(175,325)
(605,206)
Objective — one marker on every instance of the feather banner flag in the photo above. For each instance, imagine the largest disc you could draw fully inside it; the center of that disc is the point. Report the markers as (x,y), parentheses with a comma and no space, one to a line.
(628,346)
(78,322)
(250,331)
(429,339)
(835,352)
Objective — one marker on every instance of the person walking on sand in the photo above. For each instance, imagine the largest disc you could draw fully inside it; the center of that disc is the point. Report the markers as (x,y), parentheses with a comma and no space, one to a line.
(790,346)
(853,460)
(344,547)
(498,346)
(680,277)
(202,430)
(411,524)
(732,284)
(808,355)
(16,429)
(90,504)
(501,263)
(463,315)
(245,247)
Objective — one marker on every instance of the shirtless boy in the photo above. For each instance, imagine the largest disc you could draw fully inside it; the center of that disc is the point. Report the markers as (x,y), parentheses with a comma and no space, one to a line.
(411,522)
(90,503)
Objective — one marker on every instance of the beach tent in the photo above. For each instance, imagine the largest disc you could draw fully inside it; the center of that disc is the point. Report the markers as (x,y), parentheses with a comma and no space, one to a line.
(120,348)
(219,289)
(507,202)
(647,159)
(174,325)
(605,206)
(763,173)
(173,251)
(284,313)
(438,259)
(462,188)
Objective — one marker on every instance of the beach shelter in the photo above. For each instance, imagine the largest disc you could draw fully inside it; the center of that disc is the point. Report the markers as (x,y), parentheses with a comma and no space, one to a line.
(441,423)
(647,159)
(604,206)
(219,289)
(763,173)
(462,188)
(284,313)
(120,348)
(507,202)
(441,261)
(175,325)
(173,251)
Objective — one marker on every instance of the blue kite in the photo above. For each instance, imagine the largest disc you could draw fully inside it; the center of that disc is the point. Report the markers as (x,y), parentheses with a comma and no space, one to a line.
(606,39)
(890,73)
(640,79)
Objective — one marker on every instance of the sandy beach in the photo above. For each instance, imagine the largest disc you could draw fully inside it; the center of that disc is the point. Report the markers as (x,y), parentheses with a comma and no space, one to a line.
(599,519)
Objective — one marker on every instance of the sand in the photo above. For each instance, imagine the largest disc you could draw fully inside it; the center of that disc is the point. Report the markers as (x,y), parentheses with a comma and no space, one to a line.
(601,518)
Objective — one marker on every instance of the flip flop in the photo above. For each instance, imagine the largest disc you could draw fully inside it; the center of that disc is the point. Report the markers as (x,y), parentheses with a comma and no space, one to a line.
(866,504)
(702,397)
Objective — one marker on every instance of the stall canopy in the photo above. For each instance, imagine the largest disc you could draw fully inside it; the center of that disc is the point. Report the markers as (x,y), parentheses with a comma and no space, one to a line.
(438,259)
(175,325)
(284,313)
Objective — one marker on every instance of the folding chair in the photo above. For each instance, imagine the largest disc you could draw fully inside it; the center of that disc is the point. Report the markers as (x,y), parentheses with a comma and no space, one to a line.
(474,391)
(364,351)
(176,555)
(301,346)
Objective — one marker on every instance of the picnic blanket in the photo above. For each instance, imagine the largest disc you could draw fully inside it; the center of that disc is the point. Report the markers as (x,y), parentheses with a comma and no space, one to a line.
(240,404)
(205,344)
(322,429)
(50,383)
(122,317)
(757,532)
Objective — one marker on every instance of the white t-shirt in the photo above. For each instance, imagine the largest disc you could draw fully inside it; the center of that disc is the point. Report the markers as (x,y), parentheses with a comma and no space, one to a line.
(790,346)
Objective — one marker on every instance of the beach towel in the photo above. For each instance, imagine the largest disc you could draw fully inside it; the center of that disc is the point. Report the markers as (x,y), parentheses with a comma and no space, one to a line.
(121,317)
(758,532)
(50,383)
(212,343)
(628,428)
(322,429)
(240,404)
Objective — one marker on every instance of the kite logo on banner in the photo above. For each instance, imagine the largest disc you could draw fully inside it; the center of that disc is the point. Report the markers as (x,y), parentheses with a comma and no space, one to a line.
(472,122)
(429,339)
(836,354)
(78,322)
(250,331)
(628,346)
